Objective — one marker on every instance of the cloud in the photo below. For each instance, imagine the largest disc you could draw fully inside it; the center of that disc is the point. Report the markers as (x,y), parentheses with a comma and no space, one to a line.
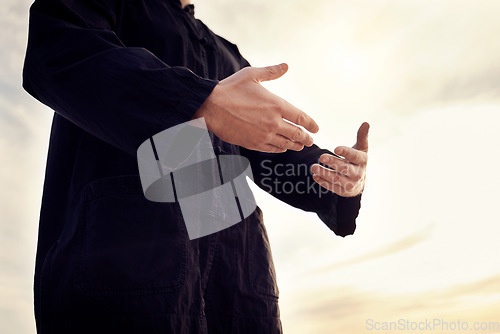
(390,249)
(483,85)
(344,309)
(390,55)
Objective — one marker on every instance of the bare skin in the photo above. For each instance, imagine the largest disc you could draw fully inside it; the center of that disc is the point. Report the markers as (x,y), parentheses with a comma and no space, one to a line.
(241,111)
(184,3)
(345,177)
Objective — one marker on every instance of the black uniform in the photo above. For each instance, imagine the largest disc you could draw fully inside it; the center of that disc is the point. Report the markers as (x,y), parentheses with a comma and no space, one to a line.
(117,72)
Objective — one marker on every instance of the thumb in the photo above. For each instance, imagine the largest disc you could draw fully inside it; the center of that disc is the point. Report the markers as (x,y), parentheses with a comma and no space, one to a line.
(270,72)
(362,138)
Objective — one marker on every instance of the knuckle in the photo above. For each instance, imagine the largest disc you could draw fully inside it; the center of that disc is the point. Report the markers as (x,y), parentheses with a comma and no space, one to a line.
(355,174)
(336,177)
(296,146)
(301,118)
(352,158)
(281,149)
(270,70)
(273,107)
(285,143)
(320,173)
(268,123)
(279,106)
(268,137)
(274,122)
(297,134)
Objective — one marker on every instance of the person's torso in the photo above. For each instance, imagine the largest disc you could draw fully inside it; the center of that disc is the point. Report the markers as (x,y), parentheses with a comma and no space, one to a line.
(76,158)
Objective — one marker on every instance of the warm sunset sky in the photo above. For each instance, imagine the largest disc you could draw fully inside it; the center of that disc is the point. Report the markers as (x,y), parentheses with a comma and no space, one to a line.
(425,74)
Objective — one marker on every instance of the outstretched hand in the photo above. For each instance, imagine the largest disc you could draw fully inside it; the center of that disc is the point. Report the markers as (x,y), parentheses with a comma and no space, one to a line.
(241,111)
(348,172)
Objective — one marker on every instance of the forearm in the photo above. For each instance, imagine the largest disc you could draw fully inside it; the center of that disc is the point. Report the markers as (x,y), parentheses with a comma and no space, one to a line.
(77,65)
(287,176)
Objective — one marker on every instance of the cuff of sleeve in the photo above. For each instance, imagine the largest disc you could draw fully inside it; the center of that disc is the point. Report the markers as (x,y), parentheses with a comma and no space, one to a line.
(198,89)
(341,218)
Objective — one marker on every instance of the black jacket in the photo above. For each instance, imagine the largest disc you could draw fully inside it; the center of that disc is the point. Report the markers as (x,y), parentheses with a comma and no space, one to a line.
(117,72)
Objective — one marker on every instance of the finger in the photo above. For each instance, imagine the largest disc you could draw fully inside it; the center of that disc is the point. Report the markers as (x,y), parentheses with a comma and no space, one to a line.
(269,72)
(362,137)
(346,190)
(268,148)
(297,116)
(338,164)
(329,186)
(354,156)
(295,133)
(332,176)
(283,142)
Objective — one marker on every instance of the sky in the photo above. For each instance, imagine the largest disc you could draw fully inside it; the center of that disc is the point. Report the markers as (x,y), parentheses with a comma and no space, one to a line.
(424,74)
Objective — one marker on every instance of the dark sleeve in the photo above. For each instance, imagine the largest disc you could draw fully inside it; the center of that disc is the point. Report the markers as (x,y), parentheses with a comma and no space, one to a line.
(287,176)
(76,64)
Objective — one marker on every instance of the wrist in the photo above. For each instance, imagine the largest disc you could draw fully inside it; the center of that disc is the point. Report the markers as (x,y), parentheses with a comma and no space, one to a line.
(208,109)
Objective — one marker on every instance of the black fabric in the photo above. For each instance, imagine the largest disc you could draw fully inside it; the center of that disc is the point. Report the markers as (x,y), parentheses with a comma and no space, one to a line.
(108,261)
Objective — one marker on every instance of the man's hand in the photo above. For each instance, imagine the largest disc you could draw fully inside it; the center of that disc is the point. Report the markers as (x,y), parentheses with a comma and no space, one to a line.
(347,176)
(241,111)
